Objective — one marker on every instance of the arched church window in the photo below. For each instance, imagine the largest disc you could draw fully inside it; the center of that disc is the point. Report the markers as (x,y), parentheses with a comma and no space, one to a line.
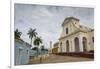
(66,30)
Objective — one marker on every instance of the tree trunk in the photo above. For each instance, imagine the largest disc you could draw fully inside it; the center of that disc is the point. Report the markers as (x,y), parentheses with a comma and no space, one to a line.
(31,42)
(37,52)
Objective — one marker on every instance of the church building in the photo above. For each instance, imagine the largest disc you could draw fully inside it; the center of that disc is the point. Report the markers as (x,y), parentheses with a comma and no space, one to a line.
(74,37)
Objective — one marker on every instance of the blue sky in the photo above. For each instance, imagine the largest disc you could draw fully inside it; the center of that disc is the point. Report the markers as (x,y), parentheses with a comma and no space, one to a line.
(48,19)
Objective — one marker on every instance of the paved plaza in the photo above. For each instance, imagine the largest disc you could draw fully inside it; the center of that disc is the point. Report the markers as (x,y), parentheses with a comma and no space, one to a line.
(58,59)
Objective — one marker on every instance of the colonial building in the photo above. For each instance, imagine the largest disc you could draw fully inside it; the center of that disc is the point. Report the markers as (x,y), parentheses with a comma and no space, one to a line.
(55,48)
(75,37)
(22,52)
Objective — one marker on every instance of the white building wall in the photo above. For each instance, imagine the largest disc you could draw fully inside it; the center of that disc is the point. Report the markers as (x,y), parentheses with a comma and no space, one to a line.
(73,46)
(71,38)
(80,43)
(87,35)
(73,43)
(91,42)
(21,53)
(74,26)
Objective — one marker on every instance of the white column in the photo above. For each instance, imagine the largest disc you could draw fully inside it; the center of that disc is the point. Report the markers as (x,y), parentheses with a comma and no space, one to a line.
(80,44)
(70,46)
(73,45)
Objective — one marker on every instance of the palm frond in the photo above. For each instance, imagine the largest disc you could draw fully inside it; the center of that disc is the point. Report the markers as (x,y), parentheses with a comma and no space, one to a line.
(37,41)
(17,34)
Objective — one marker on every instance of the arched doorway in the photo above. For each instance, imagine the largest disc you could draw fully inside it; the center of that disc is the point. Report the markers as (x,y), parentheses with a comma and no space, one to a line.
(76,41)
(67,46)
(84,44)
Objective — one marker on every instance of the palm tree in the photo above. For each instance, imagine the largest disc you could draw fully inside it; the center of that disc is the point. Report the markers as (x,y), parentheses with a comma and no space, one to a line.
(17,34)
(37,42)
(42,47)
(32,33)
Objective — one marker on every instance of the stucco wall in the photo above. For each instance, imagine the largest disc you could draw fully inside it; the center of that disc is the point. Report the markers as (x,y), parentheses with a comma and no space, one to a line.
(71,42)
(74,31)
(72,26)
(21,53)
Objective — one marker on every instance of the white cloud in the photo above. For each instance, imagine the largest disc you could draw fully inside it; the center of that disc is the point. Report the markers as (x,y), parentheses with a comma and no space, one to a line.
(48,19)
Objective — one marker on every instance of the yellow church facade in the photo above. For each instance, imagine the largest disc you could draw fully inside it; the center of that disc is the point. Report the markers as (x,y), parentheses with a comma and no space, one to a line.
(74,37)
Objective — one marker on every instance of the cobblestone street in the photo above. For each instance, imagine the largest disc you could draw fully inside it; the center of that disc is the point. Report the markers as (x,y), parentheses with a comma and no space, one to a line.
(58,59)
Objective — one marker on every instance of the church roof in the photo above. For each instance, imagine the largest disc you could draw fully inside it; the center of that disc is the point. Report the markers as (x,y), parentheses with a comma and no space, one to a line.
(85,28)
(70,18)
(80,28)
